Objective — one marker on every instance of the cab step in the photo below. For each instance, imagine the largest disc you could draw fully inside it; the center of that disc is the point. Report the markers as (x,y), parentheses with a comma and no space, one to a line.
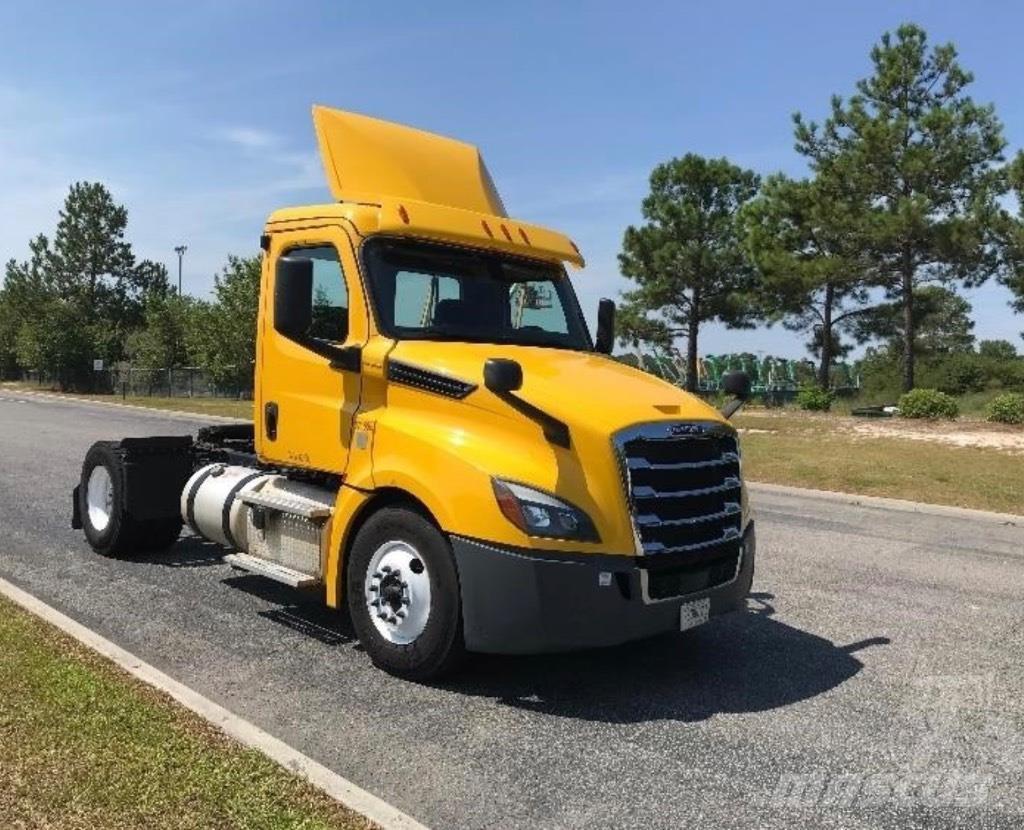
(293,505)
(271,570)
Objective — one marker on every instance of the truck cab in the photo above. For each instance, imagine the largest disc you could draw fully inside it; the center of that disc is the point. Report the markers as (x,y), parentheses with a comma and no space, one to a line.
(438,443)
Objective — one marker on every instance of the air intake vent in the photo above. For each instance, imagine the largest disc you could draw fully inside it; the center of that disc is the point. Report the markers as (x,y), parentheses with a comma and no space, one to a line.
(428,381)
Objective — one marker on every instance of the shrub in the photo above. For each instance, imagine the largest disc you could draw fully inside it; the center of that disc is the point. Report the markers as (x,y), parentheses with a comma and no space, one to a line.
(815,399)
(959,374)
(1007,408)
(927,403)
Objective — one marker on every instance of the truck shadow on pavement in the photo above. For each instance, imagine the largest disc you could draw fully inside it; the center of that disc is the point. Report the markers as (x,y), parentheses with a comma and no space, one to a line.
(748,662)
(302,613)
(187,552)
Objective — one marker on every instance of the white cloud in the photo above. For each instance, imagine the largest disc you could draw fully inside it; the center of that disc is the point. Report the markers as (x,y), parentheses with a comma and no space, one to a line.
(248,138)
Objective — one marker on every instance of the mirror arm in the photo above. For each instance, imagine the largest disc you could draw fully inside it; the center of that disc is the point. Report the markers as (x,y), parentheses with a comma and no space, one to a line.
(557,432)
(347,358)
(732,407)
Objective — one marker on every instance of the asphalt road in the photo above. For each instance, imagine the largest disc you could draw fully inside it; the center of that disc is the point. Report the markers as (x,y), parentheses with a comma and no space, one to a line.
(879,668)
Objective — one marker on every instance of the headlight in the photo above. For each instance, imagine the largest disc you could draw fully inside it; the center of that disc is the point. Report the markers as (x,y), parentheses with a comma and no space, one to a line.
(539,514)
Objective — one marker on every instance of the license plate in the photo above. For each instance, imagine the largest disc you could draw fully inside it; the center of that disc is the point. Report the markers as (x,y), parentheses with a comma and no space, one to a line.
(694,613)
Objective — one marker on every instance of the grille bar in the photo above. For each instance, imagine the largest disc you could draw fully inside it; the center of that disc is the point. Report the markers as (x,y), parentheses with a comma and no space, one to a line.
(731,508)
(645,492)
(644,464)
(729,534)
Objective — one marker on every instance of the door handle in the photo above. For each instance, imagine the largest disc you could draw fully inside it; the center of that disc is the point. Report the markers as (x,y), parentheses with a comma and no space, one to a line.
(270,420)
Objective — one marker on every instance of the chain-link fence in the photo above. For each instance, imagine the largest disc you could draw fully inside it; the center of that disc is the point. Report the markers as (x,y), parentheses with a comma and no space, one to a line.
(131,381)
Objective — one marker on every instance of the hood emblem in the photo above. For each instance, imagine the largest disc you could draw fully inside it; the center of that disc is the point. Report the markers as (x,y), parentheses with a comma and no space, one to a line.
(678,430)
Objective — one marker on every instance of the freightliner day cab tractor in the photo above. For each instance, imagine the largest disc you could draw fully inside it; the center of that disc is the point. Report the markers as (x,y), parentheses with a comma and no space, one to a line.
(437,442)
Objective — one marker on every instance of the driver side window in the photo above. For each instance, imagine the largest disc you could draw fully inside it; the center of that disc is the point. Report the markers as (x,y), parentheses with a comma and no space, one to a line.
(330,296)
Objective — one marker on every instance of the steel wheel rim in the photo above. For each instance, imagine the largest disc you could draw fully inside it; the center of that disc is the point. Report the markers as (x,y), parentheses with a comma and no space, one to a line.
(99,497)
(397,592)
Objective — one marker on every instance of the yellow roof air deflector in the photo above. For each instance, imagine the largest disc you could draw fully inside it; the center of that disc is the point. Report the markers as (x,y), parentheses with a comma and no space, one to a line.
(366,159)
(423,185)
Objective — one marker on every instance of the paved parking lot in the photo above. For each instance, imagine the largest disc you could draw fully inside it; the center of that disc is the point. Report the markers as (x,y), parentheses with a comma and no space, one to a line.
(875,681)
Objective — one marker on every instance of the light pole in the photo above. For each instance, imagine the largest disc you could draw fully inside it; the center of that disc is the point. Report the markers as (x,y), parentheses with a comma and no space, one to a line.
(180,251)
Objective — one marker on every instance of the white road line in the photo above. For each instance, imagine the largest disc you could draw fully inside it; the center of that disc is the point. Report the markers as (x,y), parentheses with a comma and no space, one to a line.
(339,788)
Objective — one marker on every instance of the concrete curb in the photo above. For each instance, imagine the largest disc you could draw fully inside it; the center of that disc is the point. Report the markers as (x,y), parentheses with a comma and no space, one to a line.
(151,410)
(902,505)
(250,735)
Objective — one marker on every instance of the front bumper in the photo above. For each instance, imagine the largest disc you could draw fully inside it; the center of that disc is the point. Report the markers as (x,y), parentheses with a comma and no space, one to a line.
(518,602)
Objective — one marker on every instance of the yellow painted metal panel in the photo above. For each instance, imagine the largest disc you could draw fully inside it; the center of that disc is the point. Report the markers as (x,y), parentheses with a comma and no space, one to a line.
(367,158)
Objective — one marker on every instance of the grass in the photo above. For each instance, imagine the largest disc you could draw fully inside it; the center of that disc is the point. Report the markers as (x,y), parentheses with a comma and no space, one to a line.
(817,451)
(84,745)
(813,450)
(229,407)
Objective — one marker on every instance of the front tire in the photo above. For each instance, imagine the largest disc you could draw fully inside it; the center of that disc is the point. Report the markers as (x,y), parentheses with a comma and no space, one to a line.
(103,508)
(403,595)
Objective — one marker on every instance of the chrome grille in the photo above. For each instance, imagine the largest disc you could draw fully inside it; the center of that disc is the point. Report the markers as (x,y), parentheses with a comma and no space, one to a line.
(683,481)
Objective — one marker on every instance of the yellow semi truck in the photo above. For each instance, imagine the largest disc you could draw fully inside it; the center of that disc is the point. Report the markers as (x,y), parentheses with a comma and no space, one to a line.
(438,443)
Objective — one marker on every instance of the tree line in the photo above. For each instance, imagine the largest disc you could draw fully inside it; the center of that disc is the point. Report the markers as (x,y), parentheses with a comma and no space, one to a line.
(82,296)
(905,201)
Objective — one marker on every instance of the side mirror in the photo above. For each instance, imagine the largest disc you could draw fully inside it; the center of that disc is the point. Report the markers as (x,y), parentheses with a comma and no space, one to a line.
(502,376)
(605,327)
(293,297)
(736,384)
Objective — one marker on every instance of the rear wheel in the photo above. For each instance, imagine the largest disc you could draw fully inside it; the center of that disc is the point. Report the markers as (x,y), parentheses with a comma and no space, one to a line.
(103,508)
(403,595)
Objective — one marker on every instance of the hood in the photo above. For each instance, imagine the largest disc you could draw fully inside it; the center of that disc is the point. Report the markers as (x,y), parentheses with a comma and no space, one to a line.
(585,390)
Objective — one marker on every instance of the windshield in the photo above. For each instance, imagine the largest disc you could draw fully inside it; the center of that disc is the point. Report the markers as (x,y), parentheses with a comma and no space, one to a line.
(425,291)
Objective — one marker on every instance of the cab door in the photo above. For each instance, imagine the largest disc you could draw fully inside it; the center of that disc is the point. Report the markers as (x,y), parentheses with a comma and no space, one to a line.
(308,382)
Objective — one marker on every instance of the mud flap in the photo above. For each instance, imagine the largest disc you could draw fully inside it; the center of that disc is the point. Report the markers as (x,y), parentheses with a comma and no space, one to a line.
(76,509)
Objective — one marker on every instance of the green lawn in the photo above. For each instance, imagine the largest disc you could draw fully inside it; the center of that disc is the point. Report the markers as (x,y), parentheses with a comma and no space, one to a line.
(204,406)
(84,745)
(823,452)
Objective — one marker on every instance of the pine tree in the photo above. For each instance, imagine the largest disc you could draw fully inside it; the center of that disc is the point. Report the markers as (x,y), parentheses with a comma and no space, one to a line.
(688,259)
(926,158)
(813,279)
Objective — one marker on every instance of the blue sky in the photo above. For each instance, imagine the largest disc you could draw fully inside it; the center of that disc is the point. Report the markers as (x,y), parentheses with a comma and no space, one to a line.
(196,115)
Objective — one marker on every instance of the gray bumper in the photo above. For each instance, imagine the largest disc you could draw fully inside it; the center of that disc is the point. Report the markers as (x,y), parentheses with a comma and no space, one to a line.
(518,602)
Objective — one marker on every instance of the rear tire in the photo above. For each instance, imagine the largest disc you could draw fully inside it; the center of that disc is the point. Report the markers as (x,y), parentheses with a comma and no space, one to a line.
(103,508)
(401,566)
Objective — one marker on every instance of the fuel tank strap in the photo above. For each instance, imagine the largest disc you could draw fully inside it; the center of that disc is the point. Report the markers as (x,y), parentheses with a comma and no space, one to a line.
(225,516)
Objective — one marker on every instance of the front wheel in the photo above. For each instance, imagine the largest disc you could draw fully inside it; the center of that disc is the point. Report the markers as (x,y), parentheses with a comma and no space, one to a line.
(403,595)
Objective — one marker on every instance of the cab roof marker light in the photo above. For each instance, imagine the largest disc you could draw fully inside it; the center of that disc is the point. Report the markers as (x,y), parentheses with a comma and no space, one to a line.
(487,228)
(403,213)
(508,236)
(526,239)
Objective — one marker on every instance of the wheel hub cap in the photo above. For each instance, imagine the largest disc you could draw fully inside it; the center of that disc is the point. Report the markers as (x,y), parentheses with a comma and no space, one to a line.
(99,497)
(398,592)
